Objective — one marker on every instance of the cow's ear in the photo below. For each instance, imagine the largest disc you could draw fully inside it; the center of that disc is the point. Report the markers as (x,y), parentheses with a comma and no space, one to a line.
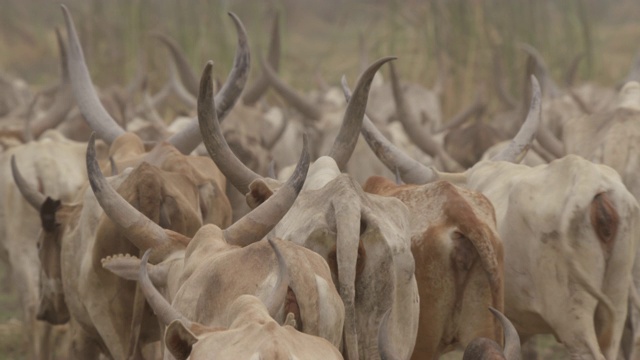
(48,214)
(258,193)
(128,268)
(179,340)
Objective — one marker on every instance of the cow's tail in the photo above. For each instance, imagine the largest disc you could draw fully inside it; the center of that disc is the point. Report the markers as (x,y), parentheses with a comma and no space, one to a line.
(347,243)
(490,251)
(279,293)
(580,275)
(306,306)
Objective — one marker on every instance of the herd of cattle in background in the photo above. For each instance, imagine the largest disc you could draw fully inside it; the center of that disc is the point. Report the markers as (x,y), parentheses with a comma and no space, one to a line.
(253,232)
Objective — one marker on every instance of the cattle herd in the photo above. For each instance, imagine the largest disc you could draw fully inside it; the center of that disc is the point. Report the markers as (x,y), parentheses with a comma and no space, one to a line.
(281,234)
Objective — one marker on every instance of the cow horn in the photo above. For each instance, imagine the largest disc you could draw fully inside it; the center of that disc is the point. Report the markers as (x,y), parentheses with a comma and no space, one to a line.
(270,143)
(542,71)
(187,76)
(33,196)
(279,294)
(178,87)
(161,307)
(414,129)
(477,107)
(139,229)
(633,74)
(290,95)
(85,94)
(347,138)
(503,94)
(238,174)
(63,99)
(188,139)
(511,338)
(570,77)
(520,144)
(253,93)
(411,171)
(256,224)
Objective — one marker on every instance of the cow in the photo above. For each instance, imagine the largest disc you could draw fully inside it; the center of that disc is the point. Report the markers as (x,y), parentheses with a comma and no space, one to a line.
(200,249)
(45,111)
(245,329)
(487,349)
(610,137)
(321,119)
(245,129)
(203,200)
(583,238)
(45,162)
(459,262)
(414,127)
(356,233)
(77,235)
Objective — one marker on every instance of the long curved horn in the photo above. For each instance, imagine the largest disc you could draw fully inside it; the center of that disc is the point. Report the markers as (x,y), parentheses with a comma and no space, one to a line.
(161,307)
(188,139)
(511,338)
(520,144)
(256,224)
(290,95)
(570,77)
(270,143)
(140,230)
(541,70)
(253,93)
(63,99)
(187,75)
(501,89)
(178,87)
(279,293)
(411,171)
(238,174)
(85,94)
(347,138)
(33,196)
(414,129)
(477,107)
(633,74)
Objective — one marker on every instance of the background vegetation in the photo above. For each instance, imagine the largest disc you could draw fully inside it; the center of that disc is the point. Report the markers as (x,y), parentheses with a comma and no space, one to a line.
(322,38)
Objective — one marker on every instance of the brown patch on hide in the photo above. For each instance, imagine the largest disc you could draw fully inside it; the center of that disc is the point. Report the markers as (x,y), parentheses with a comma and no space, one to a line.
(382,186)
(605,220)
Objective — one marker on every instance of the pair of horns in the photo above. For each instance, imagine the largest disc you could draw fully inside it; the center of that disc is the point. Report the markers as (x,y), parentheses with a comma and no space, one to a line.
(413,172)
(241,176)
(106,127)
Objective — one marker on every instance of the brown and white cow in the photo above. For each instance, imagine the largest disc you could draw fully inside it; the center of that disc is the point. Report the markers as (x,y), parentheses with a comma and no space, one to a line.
(570,221)
(363,237)
(76,236)
(203,200)
(201,249)
(459,262)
